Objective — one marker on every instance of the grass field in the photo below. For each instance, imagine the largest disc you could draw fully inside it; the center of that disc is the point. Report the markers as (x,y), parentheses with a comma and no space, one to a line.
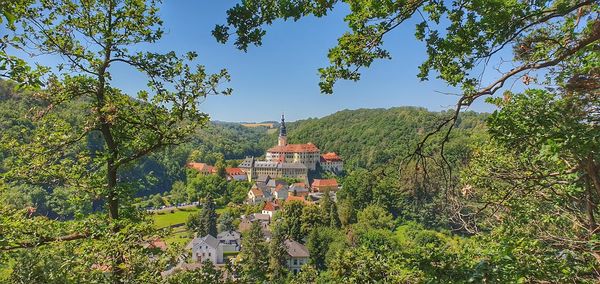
(179,235)
(167,218)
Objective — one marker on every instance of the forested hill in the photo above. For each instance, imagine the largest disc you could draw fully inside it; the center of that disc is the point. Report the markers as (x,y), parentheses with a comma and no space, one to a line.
(364,137)
(370,137)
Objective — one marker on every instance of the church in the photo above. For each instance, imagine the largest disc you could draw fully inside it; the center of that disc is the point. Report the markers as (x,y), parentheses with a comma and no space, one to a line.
(285,160)
(307,154)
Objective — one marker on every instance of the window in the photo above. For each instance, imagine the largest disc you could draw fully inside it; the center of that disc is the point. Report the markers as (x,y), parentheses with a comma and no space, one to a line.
(209,254)
(295,262)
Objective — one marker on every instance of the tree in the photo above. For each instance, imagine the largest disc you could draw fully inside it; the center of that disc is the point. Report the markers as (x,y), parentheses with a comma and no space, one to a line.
(318,244)
(334,220)
(325,207)
(13,67)
(253,259)
(375,217)
(311,219)
(346,213)
(329,212)
(204,222)
(460,38)
(543,169)
(277,255)
(178,193)
(308,274)
(92,37)
(226,222)
(207,273)
(157,201)
(209,217)
(291,217)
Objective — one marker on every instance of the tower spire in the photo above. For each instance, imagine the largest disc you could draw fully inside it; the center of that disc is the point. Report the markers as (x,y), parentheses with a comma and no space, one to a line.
(282,141)
(282,129)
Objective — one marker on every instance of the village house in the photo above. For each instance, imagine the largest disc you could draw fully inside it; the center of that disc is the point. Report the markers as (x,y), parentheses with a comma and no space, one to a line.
(270,208)
(206,248)
(212,249)
(280,192)
(331,162)
(202,168)
(298,189)
(230,241)
(321,185)
(297,255)
(259,193)
(264,219)
(236,174)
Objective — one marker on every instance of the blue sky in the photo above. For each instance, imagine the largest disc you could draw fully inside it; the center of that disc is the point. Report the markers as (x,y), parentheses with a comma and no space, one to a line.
(281,75)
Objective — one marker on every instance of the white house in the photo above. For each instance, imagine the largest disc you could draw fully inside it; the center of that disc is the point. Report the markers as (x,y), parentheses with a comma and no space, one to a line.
(258,193)
(280,192)
(206,248)
(297,255)
(270,208)
(229,241)
(331,162)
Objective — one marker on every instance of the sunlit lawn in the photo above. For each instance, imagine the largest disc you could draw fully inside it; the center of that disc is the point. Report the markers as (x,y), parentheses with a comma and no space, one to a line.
(179,235)
(169,219)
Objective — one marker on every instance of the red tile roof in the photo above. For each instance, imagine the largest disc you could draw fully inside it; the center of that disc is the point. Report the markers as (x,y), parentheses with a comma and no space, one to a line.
(270,206)
(234,171)
(295,148)
(257,192)
(202,167)
(295,198)
(318,183)
(330,157)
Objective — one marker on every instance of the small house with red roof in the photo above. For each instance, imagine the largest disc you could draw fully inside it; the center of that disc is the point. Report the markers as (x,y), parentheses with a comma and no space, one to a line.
(331,162)
(202,168)
(270,208)
(236,174)
(280,192)
(321,185)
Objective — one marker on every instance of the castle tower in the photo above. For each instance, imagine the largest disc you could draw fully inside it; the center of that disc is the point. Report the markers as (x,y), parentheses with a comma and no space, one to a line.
(282,141)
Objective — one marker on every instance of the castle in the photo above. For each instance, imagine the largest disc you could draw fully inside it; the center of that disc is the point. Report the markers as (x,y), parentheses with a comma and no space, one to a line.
(290,160)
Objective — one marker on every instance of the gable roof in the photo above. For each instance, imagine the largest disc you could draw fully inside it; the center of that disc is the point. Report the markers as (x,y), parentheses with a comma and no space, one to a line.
(235,171)
(281,188)
(298,188)
(201,167)
(296,249)
(299,184)
(257,192)
(331,182)
(330,157)
(208,239)
(270,206)
(228,235)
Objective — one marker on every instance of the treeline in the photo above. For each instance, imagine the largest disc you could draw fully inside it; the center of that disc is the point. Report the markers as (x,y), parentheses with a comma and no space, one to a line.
(153,174)
(369,138)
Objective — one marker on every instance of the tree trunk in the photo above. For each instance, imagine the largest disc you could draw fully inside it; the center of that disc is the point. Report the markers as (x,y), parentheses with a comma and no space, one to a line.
(113,198)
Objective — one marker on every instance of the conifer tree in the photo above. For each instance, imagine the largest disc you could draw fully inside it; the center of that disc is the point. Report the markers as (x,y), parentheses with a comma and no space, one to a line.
(253,256)
(277,255)
(209,218)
